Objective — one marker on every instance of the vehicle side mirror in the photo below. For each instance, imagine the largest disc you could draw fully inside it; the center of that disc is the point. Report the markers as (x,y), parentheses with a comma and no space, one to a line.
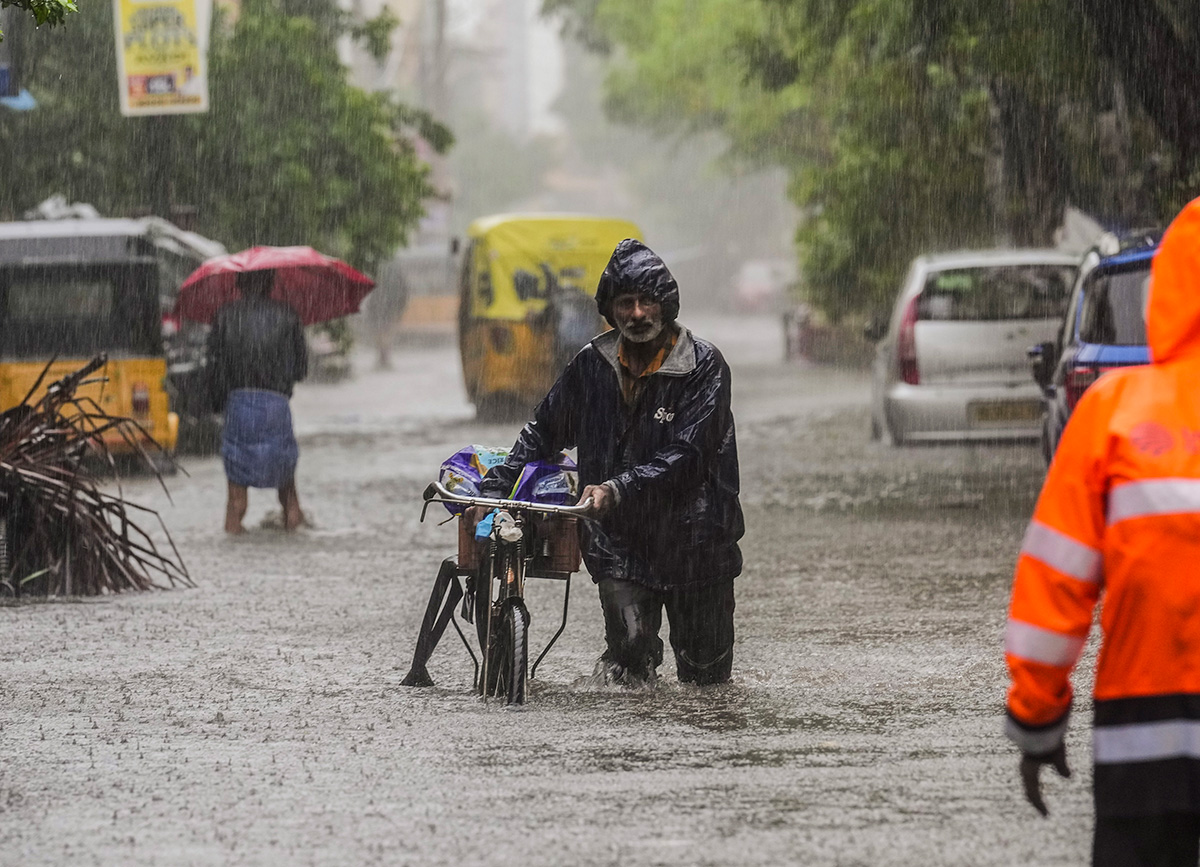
(875,329)
(1042,361)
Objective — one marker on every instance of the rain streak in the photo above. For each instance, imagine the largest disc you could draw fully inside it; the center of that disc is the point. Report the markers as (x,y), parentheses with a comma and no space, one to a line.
(598,432)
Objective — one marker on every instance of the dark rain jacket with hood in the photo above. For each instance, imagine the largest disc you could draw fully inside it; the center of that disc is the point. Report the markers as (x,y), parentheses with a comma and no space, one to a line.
(1119,518)
(672,457)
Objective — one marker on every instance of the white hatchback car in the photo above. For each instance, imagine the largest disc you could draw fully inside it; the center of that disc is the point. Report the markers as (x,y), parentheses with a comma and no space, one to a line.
(952,363)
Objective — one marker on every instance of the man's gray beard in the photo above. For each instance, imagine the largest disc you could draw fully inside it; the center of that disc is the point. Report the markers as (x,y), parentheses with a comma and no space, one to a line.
(644,336)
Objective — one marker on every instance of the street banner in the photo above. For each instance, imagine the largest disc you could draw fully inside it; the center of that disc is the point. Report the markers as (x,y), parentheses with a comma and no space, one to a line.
(162,55)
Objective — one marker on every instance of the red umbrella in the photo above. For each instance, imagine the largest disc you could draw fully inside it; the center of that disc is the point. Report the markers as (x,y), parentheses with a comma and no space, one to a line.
(319,287)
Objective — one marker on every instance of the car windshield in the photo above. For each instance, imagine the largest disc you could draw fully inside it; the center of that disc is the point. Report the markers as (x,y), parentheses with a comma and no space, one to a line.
(1113,305)
(996,293)
(78,310)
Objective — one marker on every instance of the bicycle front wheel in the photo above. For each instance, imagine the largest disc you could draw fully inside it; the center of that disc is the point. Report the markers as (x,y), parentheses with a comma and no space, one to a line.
(510,657)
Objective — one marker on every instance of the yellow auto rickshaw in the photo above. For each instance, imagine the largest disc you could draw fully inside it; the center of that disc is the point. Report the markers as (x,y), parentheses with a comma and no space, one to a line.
(527,289)
(73,289)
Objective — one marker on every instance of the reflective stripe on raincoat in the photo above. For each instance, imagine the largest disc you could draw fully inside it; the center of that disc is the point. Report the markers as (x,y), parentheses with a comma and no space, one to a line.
(1119,516)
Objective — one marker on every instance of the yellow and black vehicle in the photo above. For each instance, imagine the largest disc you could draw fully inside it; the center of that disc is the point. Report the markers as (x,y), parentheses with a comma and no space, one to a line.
(527,288)
(73,288)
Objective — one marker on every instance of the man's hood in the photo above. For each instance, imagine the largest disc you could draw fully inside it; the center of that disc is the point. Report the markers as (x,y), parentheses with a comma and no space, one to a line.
(1173,309)
(634,267)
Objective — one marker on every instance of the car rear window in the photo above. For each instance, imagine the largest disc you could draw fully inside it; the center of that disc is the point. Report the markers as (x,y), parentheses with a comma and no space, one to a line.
(996,293)
(1113,305)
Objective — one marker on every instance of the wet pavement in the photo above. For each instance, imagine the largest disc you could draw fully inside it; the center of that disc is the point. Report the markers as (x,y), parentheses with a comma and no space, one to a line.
(257,719)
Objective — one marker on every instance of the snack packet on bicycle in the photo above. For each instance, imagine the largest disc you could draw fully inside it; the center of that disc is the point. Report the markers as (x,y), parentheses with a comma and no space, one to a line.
(554,483)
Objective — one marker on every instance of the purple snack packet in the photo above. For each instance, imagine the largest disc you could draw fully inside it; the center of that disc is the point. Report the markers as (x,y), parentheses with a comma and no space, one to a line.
(462,472)
(550,482)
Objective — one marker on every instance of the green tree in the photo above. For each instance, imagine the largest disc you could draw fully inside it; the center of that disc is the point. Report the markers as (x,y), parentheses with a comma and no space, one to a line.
(289,153)
(910,125)
(49,12)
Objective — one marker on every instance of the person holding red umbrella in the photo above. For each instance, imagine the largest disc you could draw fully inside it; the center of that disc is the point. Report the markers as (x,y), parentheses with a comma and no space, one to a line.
(259,301)
(256,353)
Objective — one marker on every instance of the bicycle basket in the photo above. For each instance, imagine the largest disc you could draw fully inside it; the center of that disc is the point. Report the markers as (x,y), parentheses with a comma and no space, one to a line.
(556,548)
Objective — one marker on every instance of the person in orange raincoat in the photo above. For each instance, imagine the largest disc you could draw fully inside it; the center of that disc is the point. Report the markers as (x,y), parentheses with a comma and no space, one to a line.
(1119,516)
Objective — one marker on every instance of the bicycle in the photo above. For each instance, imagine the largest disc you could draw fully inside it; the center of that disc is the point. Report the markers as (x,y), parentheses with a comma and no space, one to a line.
(524,539)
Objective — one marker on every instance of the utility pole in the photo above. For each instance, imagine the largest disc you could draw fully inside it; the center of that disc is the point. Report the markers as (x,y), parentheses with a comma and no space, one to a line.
(156,83)
(161,163)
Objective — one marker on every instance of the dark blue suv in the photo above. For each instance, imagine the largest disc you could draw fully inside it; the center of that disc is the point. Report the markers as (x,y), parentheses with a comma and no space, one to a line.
(1104,328)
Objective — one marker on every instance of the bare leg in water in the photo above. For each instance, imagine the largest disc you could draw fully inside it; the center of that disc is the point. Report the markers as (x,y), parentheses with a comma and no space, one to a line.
(290,500)
(235,509)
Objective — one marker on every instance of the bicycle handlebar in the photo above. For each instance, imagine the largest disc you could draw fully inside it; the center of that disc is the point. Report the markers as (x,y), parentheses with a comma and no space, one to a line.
(438,493)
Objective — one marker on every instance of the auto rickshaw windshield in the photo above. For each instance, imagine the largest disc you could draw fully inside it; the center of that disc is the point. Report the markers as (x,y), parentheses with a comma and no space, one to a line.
(524,263)
(79,310)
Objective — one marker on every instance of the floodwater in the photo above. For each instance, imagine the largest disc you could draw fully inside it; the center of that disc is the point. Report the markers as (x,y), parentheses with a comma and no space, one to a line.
(257,719)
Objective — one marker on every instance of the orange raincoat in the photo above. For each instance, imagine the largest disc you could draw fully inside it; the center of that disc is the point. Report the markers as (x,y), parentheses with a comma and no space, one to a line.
(1120,515)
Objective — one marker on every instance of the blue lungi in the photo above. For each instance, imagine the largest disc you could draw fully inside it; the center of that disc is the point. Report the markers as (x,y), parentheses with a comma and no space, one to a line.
(258,444)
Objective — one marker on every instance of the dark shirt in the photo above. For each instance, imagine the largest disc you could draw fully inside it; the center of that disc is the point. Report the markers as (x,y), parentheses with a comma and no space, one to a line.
(256,343)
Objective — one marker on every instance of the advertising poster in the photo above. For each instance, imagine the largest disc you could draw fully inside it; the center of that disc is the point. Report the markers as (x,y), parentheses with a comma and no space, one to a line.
(162,55)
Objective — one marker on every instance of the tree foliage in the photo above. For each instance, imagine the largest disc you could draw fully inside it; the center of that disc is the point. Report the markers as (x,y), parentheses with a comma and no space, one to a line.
(48,12)
(289,153)
(1155,48)
(913,125)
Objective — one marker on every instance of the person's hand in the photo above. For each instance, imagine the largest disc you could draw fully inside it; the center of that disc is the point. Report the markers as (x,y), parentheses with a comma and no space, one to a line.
(603,499)
(1031,768)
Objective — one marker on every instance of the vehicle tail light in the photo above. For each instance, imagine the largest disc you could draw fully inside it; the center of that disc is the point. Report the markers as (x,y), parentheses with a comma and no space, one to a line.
(906,344)
(140,402)
(502,339)
(1077,382)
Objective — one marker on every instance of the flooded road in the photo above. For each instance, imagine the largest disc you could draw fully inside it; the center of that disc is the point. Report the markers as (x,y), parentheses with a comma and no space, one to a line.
(257,718)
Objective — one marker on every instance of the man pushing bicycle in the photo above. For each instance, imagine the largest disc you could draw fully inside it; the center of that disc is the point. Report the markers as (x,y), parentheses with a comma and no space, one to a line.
(647,407)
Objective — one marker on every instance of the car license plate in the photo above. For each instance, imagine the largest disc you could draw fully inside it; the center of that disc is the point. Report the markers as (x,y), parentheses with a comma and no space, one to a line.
(1005,412)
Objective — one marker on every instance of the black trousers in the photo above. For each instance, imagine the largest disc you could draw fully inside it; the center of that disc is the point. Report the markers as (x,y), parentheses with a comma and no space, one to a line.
(1166,840)
(701,621)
